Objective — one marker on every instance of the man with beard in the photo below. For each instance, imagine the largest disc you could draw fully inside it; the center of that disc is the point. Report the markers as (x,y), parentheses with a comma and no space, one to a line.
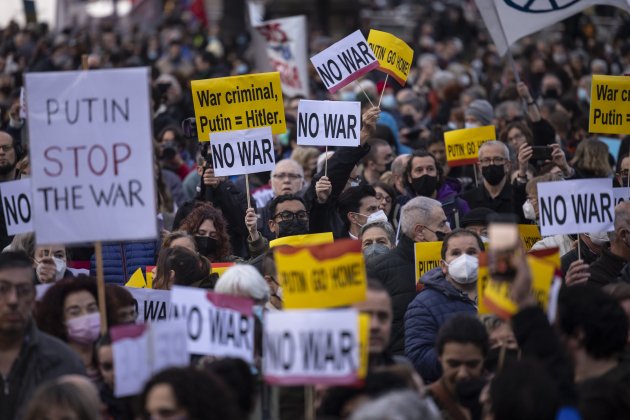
(8,172)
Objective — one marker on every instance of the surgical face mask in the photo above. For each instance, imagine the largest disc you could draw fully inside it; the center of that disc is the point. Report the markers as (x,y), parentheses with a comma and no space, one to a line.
(583,95)
(463,269)
(60,268)
(484,239)
(258,311)
(471,125)
(599,238)
(389,102)
(348,96)
(84,329)
(528,210)
(375,249)
(378,216)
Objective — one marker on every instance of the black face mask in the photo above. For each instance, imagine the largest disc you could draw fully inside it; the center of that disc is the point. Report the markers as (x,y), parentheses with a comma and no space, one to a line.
(551,94)
(440,235)
(424,185)
(292,227)
(206,246)
(493,359)
(467,392)
(408,120)
(494,174)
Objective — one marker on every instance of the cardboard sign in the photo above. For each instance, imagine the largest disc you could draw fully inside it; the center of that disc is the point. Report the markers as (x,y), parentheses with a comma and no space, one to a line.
(304,240)
(312,347)
(91,155)
(242,152)
(152,304)
(238,103)
(610,105)
(285,42)
(329,123)
(344,61)
(321,276)
(393,54)
(462,146)
(529,235)
(621,194)
(16,204)
(216,325)
(140,351)
(578,206)
(428,256)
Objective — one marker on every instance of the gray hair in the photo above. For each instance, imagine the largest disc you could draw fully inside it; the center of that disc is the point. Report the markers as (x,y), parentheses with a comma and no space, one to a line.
(398,405)
(245,281)
(294,162)
(417,211)
(386,226)
(506,150)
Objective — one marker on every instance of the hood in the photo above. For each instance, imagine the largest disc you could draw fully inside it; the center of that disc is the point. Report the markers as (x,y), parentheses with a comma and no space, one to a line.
(435,279)
(445,191)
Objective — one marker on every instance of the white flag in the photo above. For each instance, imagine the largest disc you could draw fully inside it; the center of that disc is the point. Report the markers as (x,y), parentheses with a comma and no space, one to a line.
(510,20)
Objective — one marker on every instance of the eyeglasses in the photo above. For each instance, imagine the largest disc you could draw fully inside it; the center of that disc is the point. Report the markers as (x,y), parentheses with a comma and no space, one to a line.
(292,177)
(6,147)
(493,161)
(287,216)
(387,198)
(23,291)
(515,137)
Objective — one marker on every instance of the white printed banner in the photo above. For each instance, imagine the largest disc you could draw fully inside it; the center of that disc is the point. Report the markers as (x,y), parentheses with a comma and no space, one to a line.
(91,155)
(577,206)
(311,347)
(242,152)
(217,325)
(151,304)
(16,204)
(329,123)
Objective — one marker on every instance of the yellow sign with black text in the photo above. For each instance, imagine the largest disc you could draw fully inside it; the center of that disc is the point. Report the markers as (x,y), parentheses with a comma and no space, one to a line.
(393,54)
(321,276)
(304,240)
(238,103)
(530,234)
(462,146)
(610,105)
(427,255)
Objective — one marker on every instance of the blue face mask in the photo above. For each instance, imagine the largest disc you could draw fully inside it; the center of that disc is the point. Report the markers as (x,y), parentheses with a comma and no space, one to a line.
(389,102)
(348,96)
(375,249)
(258,312)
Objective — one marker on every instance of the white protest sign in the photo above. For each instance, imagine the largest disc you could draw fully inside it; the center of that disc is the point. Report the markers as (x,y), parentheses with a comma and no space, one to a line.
(16,204)
(91,155)
(151,304)
(621,194)
(577,206)
(344,61)
(329,123)
(217,325)
(242,152)
(141,350)
(311,347)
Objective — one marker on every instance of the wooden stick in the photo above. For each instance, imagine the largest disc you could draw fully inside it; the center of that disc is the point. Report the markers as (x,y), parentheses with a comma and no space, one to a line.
(326,162)
(579,248)
(249,204)
(366,95)
(309,403)
(100,283)
(475,172)
(383,91)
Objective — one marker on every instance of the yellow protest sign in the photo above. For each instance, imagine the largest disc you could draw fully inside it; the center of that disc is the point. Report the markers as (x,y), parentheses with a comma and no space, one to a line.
(551,255)
(321,276)
(427,255)
(238,103)
(393,54)
(137,280)
(364,344)
(529,235)
(462,146)
(610,105)
(219,268)
(304,240)
(494,296)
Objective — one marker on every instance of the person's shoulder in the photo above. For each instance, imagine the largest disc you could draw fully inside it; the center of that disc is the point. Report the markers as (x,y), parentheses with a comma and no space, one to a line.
(56,355)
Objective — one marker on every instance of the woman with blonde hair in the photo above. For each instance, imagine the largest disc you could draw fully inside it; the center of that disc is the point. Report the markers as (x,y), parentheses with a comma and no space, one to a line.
(591,159)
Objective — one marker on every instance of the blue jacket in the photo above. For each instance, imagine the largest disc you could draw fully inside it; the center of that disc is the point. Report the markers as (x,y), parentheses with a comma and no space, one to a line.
(122,259)
(438,301)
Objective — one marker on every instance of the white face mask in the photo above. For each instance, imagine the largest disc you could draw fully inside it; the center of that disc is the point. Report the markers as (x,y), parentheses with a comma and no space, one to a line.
(60,268)
(463,269)
(471,125)
(528,210)
(599,238)
(378,216)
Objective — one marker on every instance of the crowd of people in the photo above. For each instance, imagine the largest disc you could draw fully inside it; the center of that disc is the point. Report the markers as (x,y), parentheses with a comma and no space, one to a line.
(431,355)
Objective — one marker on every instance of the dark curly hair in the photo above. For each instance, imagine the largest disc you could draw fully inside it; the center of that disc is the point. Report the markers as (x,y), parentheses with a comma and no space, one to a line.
(189,267)
(49,314)
(205,212)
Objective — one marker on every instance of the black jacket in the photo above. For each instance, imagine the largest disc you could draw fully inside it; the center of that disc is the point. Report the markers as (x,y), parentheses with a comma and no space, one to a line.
(509,200)
(41,359)
(396,271)
(606,269)
(586,255)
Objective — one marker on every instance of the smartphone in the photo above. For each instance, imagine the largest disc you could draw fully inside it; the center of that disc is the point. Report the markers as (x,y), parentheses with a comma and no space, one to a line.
(504,247)
(541,153)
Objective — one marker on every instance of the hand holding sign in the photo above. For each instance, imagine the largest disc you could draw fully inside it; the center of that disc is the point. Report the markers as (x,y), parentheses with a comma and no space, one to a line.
(323,189)
(369,123)
(577,273)
(251,222)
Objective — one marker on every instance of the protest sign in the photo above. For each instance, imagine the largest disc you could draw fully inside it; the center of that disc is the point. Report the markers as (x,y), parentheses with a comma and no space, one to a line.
(427,255)
(219,268)
(16,204)
(151,304)
(462,146)
(312,347)
(137,279)
(610,105)
(91,153)
(344,61)
(393,54)
(321,276)
(216,325)
(577,206)
(304,240)
(285,43)
(529,235)
(621,194)
(238,103)
(329,123)
(242,152)
(140,351)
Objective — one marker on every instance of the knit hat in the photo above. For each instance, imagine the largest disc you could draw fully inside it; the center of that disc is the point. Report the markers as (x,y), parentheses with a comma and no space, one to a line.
(481,110)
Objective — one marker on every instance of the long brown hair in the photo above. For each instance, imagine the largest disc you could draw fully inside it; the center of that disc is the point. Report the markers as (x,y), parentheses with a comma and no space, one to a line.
(204,212)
